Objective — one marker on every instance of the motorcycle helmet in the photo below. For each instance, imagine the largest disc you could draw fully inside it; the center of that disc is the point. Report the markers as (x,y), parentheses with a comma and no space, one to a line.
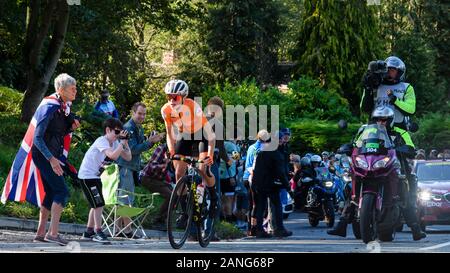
(395,62)
(316,159)
(305,162)
(383,113)
(176,87)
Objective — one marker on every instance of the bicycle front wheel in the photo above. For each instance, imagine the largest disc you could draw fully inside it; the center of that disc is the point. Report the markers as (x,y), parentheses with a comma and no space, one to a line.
(205,225)
(179,215)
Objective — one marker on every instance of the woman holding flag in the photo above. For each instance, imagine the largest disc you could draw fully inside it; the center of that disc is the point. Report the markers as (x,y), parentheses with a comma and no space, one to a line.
(37,171)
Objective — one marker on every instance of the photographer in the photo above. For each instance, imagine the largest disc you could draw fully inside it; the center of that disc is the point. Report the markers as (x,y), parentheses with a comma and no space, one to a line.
(138,143)
(105,146)
(384,86)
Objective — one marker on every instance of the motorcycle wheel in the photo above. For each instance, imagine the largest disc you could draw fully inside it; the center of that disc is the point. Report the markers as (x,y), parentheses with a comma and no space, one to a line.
(356,229)
(329,208)
(367,218)
(313,221)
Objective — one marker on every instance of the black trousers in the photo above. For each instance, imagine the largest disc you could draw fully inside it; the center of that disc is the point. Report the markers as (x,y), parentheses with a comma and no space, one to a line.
(261,206)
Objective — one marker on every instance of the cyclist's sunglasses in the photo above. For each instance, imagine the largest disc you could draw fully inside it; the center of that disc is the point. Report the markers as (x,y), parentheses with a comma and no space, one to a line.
(382,119)
(173,97)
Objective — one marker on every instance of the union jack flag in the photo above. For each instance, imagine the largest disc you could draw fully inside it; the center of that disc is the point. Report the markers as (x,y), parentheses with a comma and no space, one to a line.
(24,181)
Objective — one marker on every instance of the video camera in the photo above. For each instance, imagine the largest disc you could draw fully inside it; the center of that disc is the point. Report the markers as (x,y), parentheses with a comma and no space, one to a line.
(375,74)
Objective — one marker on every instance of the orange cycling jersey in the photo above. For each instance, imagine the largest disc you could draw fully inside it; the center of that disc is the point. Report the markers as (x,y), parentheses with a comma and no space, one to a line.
(187,117)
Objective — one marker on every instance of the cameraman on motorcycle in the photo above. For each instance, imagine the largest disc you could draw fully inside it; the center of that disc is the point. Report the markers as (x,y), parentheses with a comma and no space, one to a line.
(384,86)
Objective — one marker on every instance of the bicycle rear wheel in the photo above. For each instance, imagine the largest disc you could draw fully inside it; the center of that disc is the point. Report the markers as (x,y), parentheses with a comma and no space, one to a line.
(180,213)
(205,227)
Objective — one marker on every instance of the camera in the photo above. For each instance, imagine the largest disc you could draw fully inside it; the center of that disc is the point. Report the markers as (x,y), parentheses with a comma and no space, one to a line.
(127,136)
(375,74)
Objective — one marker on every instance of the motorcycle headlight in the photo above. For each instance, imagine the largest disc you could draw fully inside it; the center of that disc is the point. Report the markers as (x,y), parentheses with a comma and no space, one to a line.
(381,163)
(361,163)
(425,196)
(328,184)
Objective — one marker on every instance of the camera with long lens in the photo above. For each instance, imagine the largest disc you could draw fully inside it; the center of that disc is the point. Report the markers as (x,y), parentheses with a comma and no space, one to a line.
(376,72)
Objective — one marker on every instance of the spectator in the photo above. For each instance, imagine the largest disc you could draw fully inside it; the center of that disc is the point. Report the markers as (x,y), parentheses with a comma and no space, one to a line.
(128,170)
(215,112)
(420,156)
(447,153)
(433,154)
(252,151)
(269,178)
(227,176)
(52,126)
(241,198)
(105,146)
(325,158)
(104,105)
(153,179)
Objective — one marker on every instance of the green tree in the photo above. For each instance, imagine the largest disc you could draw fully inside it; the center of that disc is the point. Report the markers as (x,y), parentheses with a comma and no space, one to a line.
(407,36)
(46,28)
(337,40)
(242,38)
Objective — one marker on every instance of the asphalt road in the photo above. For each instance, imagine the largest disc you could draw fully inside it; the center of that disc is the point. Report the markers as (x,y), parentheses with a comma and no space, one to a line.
(304,239)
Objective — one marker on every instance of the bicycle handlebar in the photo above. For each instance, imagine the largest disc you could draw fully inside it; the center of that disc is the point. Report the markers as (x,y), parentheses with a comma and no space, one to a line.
(192,160)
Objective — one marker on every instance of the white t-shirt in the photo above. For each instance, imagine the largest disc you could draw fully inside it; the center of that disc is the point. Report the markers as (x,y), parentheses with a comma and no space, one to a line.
(94,157)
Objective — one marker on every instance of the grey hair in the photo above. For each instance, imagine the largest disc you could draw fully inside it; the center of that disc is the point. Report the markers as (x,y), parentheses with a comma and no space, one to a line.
(63,80)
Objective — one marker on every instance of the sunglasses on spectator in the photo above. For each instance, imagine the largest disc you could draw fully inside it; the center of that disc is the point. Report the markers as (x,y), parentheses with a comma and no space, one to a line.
(174,97)
(117,131)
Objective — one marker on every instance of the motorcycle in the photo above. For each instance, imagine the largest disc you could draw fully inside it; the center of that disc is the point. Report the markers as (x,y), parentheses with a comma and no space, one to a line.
(375,168)
(322,198)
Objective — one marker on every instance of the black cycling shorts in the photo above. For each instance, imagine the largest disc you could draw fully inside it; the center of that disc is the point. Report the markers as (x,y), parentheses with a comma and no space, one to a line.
(92,189)
(188,146)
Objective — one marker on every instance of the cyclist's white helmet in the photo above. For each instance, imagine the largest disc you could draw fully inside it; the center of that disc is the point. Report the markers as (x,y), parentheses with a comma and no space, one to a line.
(176,87)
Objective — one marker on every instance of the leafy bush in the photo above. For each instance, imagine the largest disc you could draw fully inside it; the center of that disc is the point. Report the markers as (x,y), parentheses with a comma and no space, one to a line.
(316,135)
(314,102)
(434,132)
(10,100)
(225,230)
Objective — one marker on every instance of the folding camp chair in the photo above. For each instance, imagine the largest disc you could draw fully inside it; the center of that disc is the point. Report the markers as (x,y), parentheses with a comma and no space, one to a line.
(114,210)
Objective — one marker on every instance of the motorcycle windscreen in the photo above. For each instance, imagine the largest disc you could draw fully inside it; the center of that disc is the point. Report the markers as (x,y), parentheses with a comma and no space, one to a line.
(374,140)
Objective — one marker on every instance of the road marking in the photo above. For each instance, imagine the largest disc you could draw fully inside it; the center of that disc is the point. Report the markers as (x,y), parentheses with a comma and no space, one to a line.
(435,246)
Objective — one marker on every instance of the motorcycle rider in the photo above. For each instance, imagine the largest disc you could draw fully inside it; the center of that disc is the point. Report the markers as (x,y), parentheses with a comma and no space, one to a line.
(387,88)
(302,187)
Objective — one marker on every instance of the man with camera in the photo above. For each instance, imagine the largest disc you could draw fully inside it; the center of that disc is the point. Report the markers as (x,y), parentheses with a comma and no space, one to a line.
(129,170)
(384,86)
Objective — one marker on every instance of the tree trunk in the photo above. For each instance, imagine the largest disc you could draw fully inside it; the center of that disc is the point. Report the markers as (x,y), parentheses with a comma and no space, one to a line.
(40,70)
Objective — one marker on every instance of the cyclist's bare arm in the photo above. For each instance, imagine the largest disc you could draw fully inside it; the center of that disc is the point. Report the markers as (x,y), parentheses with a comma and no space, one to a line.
(170,138)
(211,137)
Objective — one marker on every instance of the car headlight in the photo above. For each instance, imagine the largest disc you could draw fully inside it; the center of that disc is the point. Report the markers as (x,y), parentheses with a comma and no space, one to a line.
(361,163)
(381,163)
(328,184)
(425,196)
(436,197)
